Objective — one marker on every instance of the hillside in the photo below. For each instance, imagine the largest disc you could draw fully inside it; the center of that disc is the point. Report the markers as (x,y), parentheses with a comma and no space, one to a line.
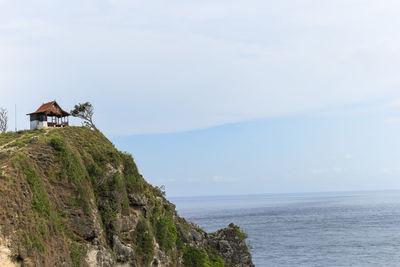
(68,197)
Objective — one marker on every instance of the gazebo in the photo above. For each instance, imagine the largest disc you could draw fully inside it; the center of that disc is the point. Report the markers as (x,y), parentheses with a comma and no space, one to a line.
(49,115)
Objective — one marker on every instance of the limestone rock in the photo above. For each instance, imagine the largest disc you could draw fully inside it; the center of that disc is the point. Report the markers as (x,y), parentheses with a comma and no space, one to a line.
(231,246)
(124,253)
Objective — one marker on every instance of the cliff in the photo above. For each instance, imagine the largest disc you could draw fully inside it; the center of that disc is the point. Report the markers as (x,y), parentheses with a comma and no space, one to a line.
(69,198)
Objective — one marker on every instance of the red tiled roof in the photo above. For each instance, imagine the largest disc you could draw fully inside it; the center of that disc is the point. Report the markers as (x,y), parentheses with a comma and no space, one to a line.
(51,108)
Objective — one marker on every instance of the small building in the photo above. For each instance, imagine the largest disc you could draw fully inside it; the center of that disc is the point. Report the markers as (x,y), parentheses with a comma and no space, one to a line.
(49,115)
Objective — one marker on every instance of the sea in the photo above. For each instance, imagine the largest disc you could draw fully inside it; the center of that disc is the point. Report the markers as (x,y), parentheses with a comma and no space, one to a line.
(315,229)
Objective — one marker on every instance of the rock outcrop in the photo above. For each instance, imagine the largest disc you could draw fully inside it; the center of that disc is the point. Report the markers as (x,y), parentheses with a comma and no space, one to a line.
(69,198)
(231,246)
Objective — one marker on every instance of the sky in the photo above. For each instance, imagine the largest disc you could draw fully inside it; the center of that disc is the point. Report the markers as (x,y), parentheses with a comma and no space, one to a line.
(220,97)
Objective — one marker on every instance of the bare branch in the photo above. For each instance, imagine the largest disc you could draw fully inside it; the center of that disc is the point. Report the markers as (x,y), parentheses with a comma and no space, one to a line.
(3,120)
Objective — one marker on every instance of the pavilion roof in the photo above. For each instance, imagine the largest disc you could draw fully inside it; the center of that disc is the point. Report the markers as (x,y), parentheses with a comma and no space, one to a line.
(51,109)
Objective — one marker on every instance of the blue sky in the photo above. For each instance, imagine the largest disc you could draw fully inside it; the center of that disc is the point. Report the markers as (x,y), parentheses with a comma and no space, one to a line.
(220,97)
(350,149)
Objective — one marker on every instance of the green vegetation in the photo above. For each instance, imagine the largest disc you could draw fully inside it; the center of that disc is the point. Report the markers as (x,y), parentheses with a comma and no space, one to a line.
(144,246)
(40,201)
(76,253)
(93,176)
(47,220)
(3,176)
(19,139)
(34,242)
(242,235)
(166,233)
(134,182)
(194,257)
(214,260)
(8,137)
(72,167)
(57,144)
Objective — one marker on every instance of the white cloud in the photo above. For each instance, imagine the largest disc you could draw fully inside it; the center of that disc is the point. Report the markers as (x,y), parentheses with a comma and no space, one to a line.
(390,171)
(193,180)
(221,179)
(319,171)
(393,120)
(217,61)
(348,156)
(395,104)
(338,170)
(327,171)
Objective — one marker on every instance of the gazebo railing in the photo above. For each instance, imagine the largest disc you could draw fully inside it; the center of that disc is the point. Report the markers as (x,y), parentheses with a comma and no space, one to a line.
(55,124)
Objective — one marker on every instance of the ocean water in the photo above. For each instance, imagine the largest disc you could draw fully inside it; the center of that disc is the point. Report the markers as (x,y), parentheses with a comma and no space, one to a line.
(324,229)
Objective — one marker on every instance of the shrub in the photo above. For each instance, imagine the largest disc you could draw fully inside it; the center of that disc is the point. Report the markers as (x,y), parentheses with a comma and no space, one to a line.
(144,247)
(193,257)
(242,235)
(57,144)
(132,177)
(166,233)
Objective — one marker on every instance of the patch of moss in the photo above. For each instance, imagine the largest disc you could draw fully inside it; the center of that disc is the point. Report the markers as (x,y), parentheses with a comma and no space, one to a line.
(32,241)
(47,219)
(26,138)
(40,200)
(9,137)
(57,144)
(72,167)
(76,253)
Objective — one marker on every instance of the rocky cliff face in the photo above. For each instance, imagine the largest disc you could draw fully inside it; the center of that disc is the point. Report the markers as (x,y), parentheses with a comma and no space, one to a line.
(69,198)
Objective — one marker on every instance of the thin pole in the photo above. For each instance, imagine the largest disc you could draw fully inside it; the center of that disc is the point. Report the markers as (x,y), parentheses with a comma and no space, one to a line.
(15,117)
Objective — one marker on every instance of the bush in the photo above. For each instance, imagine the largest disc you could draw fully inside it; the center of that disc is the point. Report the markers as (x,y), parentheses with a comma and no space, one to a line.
(132,177)
(57,144)
(166,233)
(193,257)
(242,235)
(144,242)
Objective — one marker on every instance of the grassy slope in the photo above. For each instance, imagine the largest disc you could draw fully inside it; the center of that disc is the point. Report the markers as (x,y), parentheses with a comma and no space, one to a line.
(49,180)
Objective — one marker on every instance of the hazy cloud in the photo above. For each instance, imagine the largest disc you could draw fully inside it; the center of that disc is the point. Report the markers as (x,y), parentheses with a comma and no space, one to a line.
(327,171)
(348,156)
(395,104)
(390,171)
(221,179)
(392,120)
(338,170)
(193,180)
(176,66)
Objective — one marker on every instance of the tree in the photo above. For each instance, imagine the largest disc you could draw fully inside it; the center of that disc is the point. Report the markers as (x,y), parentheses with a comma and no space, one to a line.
(3,120)
(85,112)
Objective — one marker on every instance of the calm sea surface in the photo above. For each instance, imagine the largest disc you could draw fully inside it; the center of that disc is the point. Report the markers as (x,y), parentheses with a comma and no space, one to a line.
(327,229)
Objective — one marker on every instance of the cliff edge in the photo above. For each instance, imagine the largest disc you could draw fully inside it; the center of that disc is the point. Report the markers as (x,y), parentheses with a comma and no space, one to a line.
(68,197)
